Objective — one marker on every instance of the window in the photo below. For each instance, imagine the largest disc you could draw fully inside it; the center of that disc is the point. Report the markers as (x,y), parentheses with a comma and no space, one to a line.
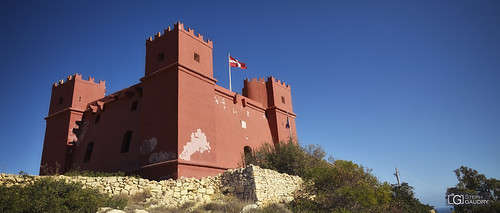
(134,106)
(196,57)
(97,118)
(161,56)
(282,99)
(88,152)
(126,142)
(60,100)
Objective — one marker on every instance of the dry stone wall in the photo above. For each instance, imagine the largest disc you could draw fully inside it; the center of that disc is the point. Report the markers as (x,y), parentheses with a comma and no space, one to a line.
(261,186)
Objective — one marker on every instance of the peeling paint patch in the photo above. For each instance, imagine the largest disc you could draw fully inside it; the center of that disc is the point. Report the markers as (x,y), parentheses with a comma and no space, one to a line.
(161,156)
(216,101)
(248,114)
(198,143)
(243,124)
(148,146)
(234,111)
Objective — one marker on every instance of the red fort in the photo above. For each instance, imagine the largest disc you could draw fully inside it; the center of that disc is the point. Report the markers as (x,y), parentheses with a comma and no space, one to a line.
(175,123)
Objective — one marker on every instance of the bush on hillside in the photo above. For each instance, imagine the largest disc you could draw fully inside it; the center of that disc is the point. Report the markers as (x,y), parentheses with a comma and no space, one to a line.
(403,200)
(338,185)
(49,195)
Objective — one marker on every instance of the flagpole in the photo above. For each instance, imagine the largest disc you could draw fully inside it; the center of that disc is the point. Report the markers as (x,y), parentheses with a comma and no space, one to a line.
(229,65)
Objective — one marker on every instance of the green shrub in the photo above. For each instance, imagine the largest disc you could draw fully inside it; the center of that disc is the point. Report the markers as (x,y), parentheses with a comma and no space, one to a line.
(284,157)
(338,185)
(49,195)
(403,200)
(86,173)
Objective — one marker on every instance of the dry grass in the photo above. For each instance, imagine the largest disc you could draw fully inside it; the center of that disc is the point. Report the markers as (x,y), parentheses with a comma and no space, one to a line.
(220,204)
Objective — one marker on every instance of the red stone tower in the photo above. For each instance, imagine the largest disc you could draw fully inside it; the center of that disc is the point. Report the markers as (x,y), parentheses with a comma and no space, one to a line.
(178,89)
(67,104)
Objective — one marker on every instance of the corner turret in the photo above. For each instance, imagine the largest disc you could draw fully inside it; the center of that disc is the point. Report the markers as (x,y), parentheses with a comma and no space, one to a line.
(276,97)
(75,93)
(67,104)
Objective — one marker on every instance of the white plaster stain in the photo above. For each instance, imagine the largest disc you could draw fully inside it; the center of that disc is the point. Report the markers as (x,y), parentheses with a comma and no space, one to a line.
(148,146)
(248,114)
(234,111)
(198,143)
(71,135)
(216,101)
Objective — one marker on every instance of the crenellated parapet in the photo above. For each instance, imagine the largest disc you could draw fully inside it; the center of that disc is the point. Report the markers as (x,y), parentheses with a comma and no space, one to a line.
(269,79)
(77,76)
(180,27)
(282,83)
(261,80)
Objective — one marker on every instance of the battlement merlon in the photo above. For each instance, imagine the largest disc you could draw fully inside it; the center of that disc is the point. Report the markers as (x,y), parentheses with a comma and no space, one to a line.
(180,27)
(79,77)
(269,79)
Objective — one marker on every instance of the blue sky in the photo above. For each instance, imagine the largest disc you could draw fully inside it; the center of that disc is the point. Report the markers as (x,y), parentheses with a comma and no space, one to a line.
(412,84)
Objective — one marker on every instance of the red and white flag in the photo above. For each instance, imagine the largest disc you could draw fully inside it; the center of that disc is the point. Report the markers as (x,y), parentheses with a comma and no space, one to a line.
(235,63)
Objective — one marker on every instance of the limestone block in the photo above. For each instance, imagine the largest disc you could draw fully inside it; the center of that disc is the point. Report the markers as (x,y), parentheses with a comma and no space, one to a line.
(123,192)
(191,187)
(10,179)
(258,186)
(127,187)
(210,191)
(168,193)
(206,197)
(156,191)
